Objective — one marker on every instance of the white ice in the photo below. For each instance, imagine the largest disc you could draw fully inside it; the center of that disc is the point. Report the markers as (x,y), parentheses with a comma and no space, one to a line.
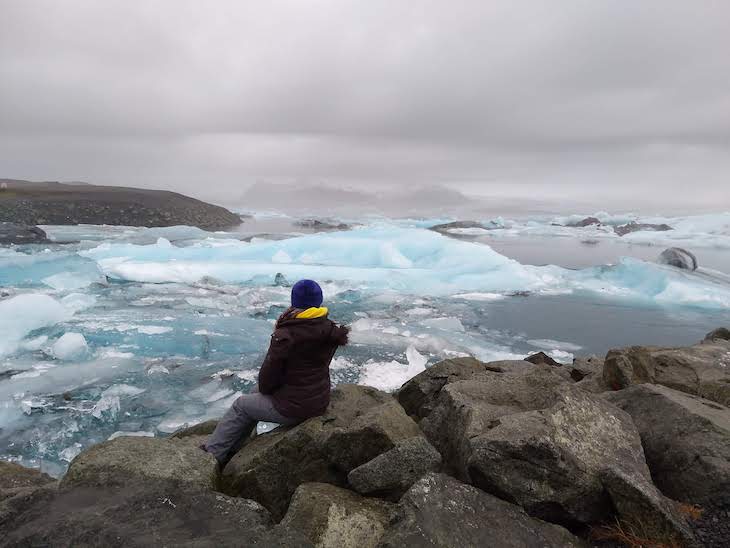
(70,346)
(22,314)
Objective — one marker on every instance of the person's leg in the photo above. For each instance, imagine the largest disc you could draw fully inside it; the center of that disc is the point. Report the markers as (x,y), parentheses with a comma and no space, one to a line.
(238,423)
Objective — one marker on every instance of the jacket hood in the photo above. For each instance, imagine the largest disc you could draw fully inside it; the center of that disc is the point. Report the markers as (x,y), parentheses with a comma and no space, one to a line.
(315,328)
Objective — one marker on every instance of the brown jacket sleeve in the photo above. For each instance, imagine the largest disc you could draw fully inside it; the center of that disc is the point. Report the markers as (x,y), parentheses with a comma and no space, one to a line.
(271,374)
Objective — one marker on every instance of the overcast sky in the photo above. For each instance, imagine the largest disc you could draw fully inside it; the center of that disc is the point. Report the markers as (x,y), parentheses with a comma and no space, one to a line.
(609,102)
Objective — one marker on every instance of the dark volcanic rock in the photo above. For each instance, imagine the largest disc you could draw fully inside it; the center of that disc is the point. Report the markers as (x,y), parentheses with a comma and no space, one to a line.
(139,514)
(445,227)
(334,517)
(679,258)
(588,221)
(360,424)
(11,233)
(633,226)
(686,440)
(321,226)
(541,357)
(30,203)
(721,333)
(391,474)
(702,369)
(440,511)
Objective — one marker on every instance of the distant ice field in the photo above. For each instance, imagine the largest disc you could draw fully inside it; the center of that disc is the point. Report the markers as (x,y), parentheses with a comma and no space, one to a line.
(143,331)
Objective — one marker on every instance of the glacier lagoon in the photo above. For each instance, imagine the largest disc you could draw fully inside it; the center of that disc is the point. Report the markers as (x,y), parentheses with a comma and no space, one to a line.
(142,331)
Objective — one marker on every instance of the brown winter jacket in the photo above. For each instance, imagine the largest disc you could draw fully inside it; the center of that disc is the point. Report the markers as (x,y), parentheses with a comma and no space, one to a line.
(295,372)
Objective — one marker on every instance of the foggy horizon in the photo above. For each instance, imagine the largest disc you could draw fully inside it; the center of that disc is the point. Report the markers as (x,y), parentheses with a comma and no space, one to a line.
(573,105)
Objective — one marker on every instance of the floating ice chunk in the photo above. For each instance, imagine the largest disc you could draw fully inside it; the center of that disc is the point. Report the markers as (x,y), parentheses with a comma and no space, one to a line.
(168,426)
(390,376)
(76,302)
(123,390)
(446,324)
(153,329)
(22,314)
(473,231)
(69,280)
(32,345)
(70,453)
(135,434)
(106,408)
(158,369)
(548,344)
(223,374)
(480,296)
(70,346)
(419,311)
(250,375)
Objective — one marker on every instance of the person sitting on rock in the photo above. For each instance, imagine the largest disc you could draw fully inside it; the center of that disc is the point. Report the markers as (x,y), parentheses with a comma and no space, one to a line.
(294,379)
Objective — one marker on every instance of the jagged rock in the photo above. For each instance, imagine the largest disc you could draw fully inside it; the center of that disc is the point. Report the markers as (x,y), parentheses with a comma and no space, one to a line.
(721,333)
(201,429)
(633,226)
(332,517)
(12,233)
(140,514)
(392,473)
(553,462)
(702,369)
(445,227)
(15,478)
(125,459)
(417,396)
(542,358)
(442,512)
(678,257)
(467,408)
(320,226)
(686,441)
(360,424)
(588,221)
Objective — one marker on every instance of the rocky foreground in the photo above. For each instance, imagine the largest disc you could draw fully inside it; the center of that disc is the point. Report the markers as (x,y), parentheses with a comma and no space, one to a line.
(28,204)
(633,449)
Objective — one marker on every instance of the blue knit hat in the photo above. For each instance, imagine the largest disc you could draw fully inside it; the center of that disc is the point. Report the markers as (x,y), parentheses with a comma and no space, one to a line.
(306,294)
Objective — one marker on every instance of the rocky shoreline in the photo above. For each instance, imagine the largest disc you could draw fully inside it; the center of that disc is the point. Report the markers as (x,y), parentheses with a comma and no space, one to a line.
(29,203)
(631,449)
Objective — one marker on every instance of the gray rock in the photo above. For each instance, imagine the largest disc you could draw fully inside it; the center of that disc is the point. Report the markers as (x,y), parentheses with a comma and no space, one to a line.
(722,333)
(417,396)
(11,233)
(439,511)
(139,514)
(445,227)
(628,228)
(125,459)
(467,408)
(15,479)
(332,517)
(392,473)
(686,441)
(679,258)
(554,463)
(542,358)
(360,424)
(201,429)
(702,369)
(588,221)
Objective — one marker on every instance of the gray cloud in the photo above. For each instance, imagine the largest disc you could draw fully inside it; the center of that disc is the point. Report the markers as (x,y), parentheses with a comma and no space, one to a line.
(577,99)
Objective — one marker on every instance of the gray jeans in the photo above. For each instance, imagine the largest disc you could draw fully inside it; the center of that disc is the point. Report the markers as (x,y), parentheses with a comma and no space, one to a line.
(238,423)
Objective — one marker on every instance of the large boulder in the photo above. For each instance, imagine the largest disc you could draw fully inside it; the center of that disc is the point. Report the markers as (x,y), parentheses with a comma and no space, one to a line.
(441,511)
(418,395)
(12,233)
(587,221)
(139,514)
(332,517)
(702,369)
(679,258)
(467,408)
(125,459)
(686,441)
(360,423)
(15,479)
(392,473)
(561,464)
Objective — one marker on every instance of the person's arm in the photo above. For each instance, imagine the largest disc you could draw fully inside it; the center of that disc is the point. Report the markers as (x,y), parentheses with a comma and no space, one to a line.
(271,374)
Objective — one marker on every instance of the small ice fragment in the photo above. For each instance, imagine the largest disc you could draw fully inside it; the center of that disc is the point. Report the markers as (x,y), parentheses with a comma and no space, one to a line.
(70,453)
(70,346)
(106,406)
(34,344)
(138,434)
(158,369)
(447,324)
(153,329)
